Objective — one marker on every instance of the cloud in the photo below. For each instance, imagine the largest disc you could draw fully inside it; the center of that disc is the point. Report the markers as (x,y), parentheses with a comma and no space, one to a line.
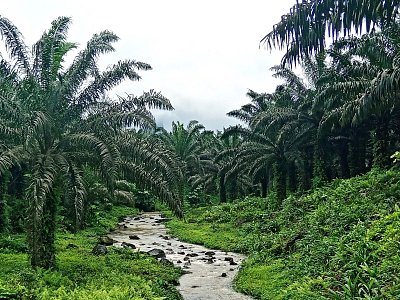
(204,54)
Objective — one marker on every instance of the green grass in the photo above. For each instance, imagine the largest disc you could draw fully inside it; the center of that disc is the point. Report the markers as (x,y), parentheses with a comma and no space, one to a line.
(121,274)
(341,241)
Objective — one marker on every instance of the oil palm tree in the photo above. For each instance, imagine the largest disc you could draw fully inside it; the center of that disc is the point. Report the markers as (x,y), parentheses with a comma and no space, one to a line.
(302,30)
(57,119)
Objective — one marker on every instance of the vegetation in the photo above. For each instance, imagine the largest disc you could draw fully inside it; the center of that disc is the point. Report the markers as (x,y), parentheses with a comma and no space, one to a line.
(340,241)
(307,184)
(121,274)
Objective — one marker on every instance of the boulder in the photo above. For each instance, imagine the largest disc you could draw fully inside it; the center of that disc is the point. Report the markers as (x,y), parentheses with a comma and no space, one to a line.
(100,250)
(166,262)
(106,240)
(157,253)
(128,245)
(209,253)
(134,237)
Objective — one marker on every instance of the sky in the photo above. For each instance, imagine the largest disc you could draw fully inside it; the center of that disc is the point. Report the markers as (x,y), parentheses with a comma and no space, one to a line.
(205,54)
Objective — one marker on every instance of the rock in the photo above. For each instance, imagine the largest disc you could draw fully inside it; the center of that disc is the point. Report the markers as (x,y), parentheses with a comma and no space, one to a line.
(163,220)
(224,274)
(134,237)
(227,258)
(209,253)
(178,261)
(181,253)
(231,269)
(157,253)
(128,245)
(100,250)
(182,246)
(136,218)
(186,258)
(186,264)
(232,263)
(125,227)
(210,260)
(106,241)
(192,254)
(169,244)
(166,262)
(194,286)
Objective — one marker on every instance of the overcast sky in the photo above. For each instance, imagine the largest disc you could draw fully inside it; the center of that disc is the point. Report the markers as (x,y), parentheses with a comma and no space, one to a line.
(205,54)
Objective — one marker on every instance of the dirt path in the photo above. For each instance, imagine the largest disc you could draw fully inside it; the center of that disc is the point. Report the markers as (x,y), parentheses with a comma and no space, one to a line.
(209,272)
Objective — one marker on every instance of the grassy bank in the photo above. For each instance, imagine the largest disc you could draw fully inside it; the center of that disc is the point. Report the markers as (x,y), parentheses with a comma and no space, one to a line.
(121,274)
(341,241)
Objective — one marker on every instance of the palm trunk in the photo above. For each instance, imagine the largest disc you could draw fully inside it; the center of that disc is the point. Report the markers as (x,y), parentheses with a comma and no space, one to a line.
(264,185)
(306,170)
(292,176)
(343,158)
(381,146)
(320,168)
(42,234)
(222,189)
(357,153)
(280,181)
(3,216)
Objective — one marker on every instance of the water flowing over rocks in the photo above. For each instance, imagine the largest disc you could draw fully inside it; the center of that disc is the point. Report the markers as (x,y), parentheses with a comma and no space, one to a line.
(208,274)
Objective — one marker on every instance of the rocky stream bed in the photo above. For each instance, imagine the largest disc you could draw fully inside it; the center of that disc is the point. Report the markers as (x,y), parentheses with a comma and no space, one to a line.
(208,273)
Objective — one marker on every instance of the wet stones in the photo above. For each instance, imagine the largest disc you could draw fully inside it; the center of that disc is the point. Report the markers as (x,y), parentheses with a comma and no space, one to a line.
(128,245)
(165,261)
(231,261)
(157,253)
(209,253)
(134,237)
(106,241)
(224,274)
(192,254)
(100,250)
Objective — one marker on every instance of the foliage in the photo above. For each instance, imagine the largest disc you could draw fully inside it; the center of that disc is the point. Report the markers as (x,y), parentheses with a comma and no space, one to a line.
(336,242)
(122,274)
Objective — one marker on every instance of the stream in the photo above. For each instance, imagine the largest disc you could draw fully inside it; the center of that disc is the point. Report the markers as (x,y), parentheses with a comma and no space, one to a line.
(208,273)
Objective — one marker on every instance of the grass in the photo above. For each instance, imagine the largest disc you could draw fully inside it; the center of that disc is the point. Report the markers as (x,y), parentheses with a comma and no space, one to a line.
(341,241)
(121,274)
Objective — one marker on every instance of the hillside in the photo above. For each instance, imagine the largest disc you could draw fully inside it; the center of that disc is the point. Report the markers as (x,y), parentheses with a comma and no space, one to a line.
(341,241)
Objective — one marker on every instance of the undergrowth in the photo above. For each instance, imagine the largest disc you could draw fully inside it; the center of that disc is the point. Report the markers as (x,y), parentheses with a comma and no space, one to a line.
(341,241)
(121,274)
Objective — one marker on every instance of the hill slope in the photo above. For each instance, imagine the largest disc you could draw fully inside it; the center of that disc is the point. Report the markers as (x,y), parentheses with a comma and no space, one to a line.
(341,241)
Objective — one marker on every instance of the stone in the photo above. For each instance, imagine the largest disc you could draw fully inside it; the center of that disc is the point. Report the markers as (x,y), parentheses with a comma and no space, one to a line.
(100,250)
(157,253)
(128,245)
(166,262)
(106,240)
(192,254)
(178,261)
(169,244)
(209,253)
(181,253)
(230,259)
(134,237)
(224,274)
